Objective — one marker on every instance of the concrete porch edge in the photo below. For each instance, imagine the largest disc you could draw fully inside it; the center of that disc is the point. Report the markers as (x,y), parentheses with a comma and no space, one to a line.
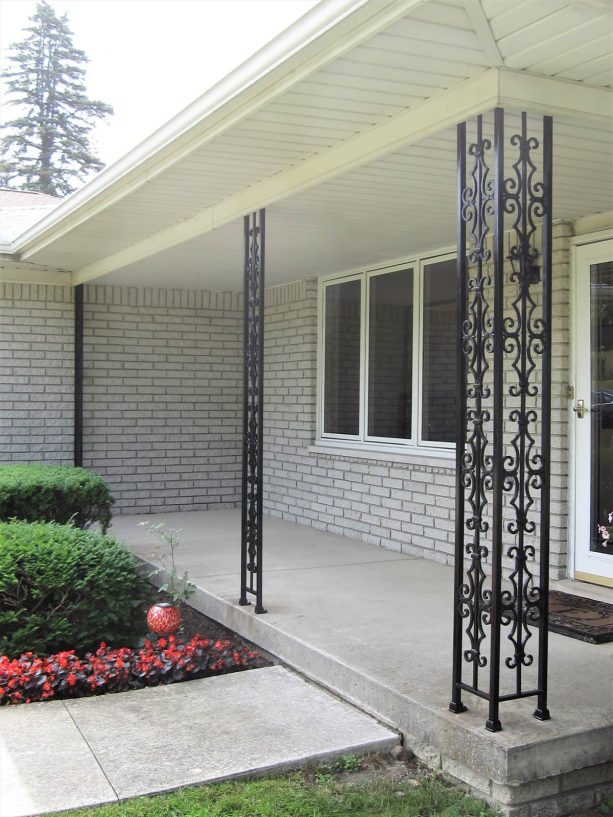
(572,770)
(373,626)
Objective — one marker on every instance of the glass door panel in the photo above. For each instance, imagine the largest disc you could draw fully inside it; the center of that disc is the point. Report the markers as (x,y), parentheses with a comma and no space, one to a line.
(593,414)
(601,330)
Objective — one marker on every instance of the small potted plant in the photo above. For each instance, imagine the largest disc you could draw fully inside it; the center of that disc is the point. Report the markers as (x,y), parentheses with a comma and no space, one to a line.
(164,617)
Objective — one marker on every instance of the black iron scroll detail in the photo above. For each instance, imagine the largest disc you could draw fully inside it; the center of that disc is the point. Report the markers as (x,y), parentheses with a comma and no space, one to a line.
(253,409)
(503,456)
(476,206)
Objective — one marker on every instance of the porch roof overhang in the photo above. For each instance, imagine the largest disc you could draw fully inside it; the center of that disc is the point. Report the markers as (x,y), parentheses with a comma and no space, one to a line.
(343,128)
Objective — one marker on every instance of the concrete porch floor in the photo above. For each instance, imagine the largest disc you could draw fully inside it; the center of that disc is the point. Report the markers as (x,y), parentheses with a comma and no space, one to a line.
(375,626)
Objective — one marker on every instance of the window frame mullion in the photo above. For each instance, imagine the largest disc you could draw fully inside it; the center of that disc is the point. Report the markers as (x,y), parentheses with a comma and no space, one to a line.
(416,380)
(364,351)
(409,442)
(421,440)
(322,363)
(364,275)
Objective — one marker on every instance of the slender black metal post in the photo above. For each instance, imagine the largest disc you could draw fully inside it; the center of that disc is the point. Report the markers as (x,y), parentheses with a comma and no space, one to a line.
(542,712)
(78,376)
(244,532)
(493,722)
(253,410)
(456,704)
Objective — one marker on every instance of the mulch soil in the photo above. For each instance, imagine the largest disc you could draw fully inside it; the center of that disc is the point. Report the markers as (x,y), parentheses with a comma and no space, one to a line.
(195,623)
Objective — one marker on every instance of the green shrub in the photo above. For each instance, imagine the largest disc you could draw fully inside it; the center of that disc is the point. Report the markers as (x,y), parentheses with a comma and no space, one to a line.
(65,588)
(51,493)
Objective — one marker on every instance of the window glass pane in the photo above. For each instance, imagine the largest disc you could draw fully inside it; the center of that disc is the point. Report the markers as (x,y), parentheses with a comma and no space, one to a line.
(342,358)
(390,351)
(439,363)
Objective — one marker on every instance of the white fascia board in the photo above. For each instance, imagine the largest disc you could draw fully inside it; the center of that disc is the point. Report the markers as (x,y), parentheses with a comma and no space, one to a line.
(16,272)
(464,100)
(550,96)
(329,30)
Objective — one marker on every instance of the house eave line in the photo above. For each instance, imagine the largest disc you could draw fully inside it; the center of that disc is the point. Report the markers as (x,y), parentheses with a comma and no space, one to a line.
(496,86)
(322,35)
(418,122)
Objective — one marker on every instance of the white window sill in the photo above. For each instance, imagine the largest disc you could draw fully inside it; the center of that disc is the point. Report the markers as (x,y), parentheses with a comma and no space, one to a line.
(434,457)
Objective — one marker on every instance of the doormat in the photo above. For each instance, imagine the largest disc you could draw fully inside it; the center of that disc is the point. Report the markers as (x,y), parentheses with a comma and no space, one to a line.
(578,617)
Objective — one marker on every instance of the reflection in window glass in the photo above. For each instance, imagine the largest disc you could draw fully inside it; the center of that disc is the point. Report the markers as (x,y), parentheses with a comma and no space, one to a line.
(439,355)
(601,415)
(342,358)
(390,353)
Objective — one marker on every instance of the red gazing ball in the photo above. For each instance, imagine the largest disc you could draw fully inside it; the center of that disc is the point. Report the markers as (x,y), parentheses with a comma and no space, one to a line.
(163,618)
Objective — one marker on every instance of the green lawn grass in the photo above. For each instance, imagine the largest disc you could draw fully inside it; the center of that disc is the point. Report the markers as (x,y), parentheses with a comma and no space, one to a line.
(295,795)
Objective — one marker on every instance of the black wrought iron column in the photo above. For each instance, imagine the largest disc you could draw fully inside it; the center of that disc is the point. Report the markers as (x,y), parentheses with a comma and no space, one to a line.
(78,376)
(253,410)
(504,418)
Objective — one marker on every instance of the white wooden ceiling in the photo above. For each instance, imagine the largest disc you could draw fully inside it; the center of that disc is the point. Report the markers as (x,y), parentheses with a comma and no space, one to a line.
(401,205)
(397,205)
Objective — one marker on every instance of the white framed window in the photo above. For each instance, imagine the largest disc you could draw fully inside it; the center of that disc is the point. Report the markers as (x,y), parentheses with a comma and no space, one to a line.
(387,362)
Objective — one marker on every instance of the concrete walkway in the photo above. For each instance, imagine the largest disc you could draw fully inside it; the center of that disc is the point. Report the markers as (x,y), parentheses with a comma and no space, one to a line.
(66,754)
(375,626)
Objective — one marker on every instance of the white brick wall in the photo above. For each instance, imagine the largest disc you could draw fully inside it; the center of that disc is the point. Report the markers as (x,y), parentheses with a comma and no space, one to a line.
(163,410)
(560,403)
(36,373)
(407,506)
(162,402)
(162,387)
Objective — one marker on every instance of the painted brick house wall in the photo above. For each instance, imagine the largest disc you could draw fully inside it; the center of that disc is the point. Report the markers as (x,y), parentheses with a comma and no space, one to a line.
(162,396)
(163,408)
(405,502)
(406,506)
(162,390)
(36,373)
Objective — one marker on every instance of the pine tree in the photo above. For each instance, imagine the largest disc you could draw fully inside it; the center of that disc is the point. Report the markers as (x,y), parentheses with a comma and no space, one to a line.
(47,148)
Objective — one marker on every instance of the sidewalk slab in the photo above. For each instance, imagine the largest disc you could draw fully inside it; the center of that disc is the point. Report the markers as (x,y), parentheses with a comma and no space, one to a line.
(67,754)
(217,728)
(45,763)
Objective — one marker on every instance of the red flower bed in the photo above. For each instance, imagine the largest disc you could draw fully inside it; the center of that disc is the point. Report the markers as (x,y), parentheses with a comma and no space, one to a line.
(65,675)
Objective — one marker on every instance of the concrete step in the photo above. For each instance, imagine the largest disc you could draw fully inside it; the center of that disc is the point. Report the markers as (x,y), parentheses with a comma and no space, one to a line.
(523,776)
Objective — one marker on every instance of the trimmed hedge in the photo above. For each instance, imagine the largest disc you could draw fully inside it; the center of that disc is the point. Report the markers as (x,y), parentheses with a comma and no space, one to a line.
(65,588)
(52,493)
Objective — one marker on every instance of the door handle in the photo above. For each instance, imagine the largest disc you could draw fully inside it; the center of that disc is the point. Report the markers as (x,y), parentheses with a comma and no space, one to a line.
(580,409)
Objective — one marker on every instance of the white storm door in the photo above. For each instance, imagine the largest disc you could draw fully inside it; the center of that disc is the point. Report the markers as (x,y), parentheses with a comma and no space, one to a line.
(593,413)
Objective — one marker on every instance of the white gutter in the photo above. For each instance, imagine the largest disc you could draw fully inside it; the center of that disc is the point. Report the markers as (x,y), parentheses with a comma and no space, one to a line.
(302,48)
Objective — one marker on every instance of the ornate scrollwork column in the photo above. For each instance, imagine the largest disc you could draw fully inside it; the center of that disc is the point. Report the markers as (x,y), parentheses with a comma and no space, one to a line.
(503,453)
(253,410)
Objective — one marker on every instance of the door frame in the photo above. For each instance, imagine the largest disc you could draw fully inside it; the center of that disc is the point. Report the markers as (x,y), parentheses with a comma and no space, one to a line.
(578,246)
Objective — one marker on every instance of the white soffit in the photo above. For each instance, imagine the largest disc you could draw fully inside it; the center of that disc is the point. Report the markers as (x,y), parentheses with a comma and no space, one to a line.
(401,205)
(352,109)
